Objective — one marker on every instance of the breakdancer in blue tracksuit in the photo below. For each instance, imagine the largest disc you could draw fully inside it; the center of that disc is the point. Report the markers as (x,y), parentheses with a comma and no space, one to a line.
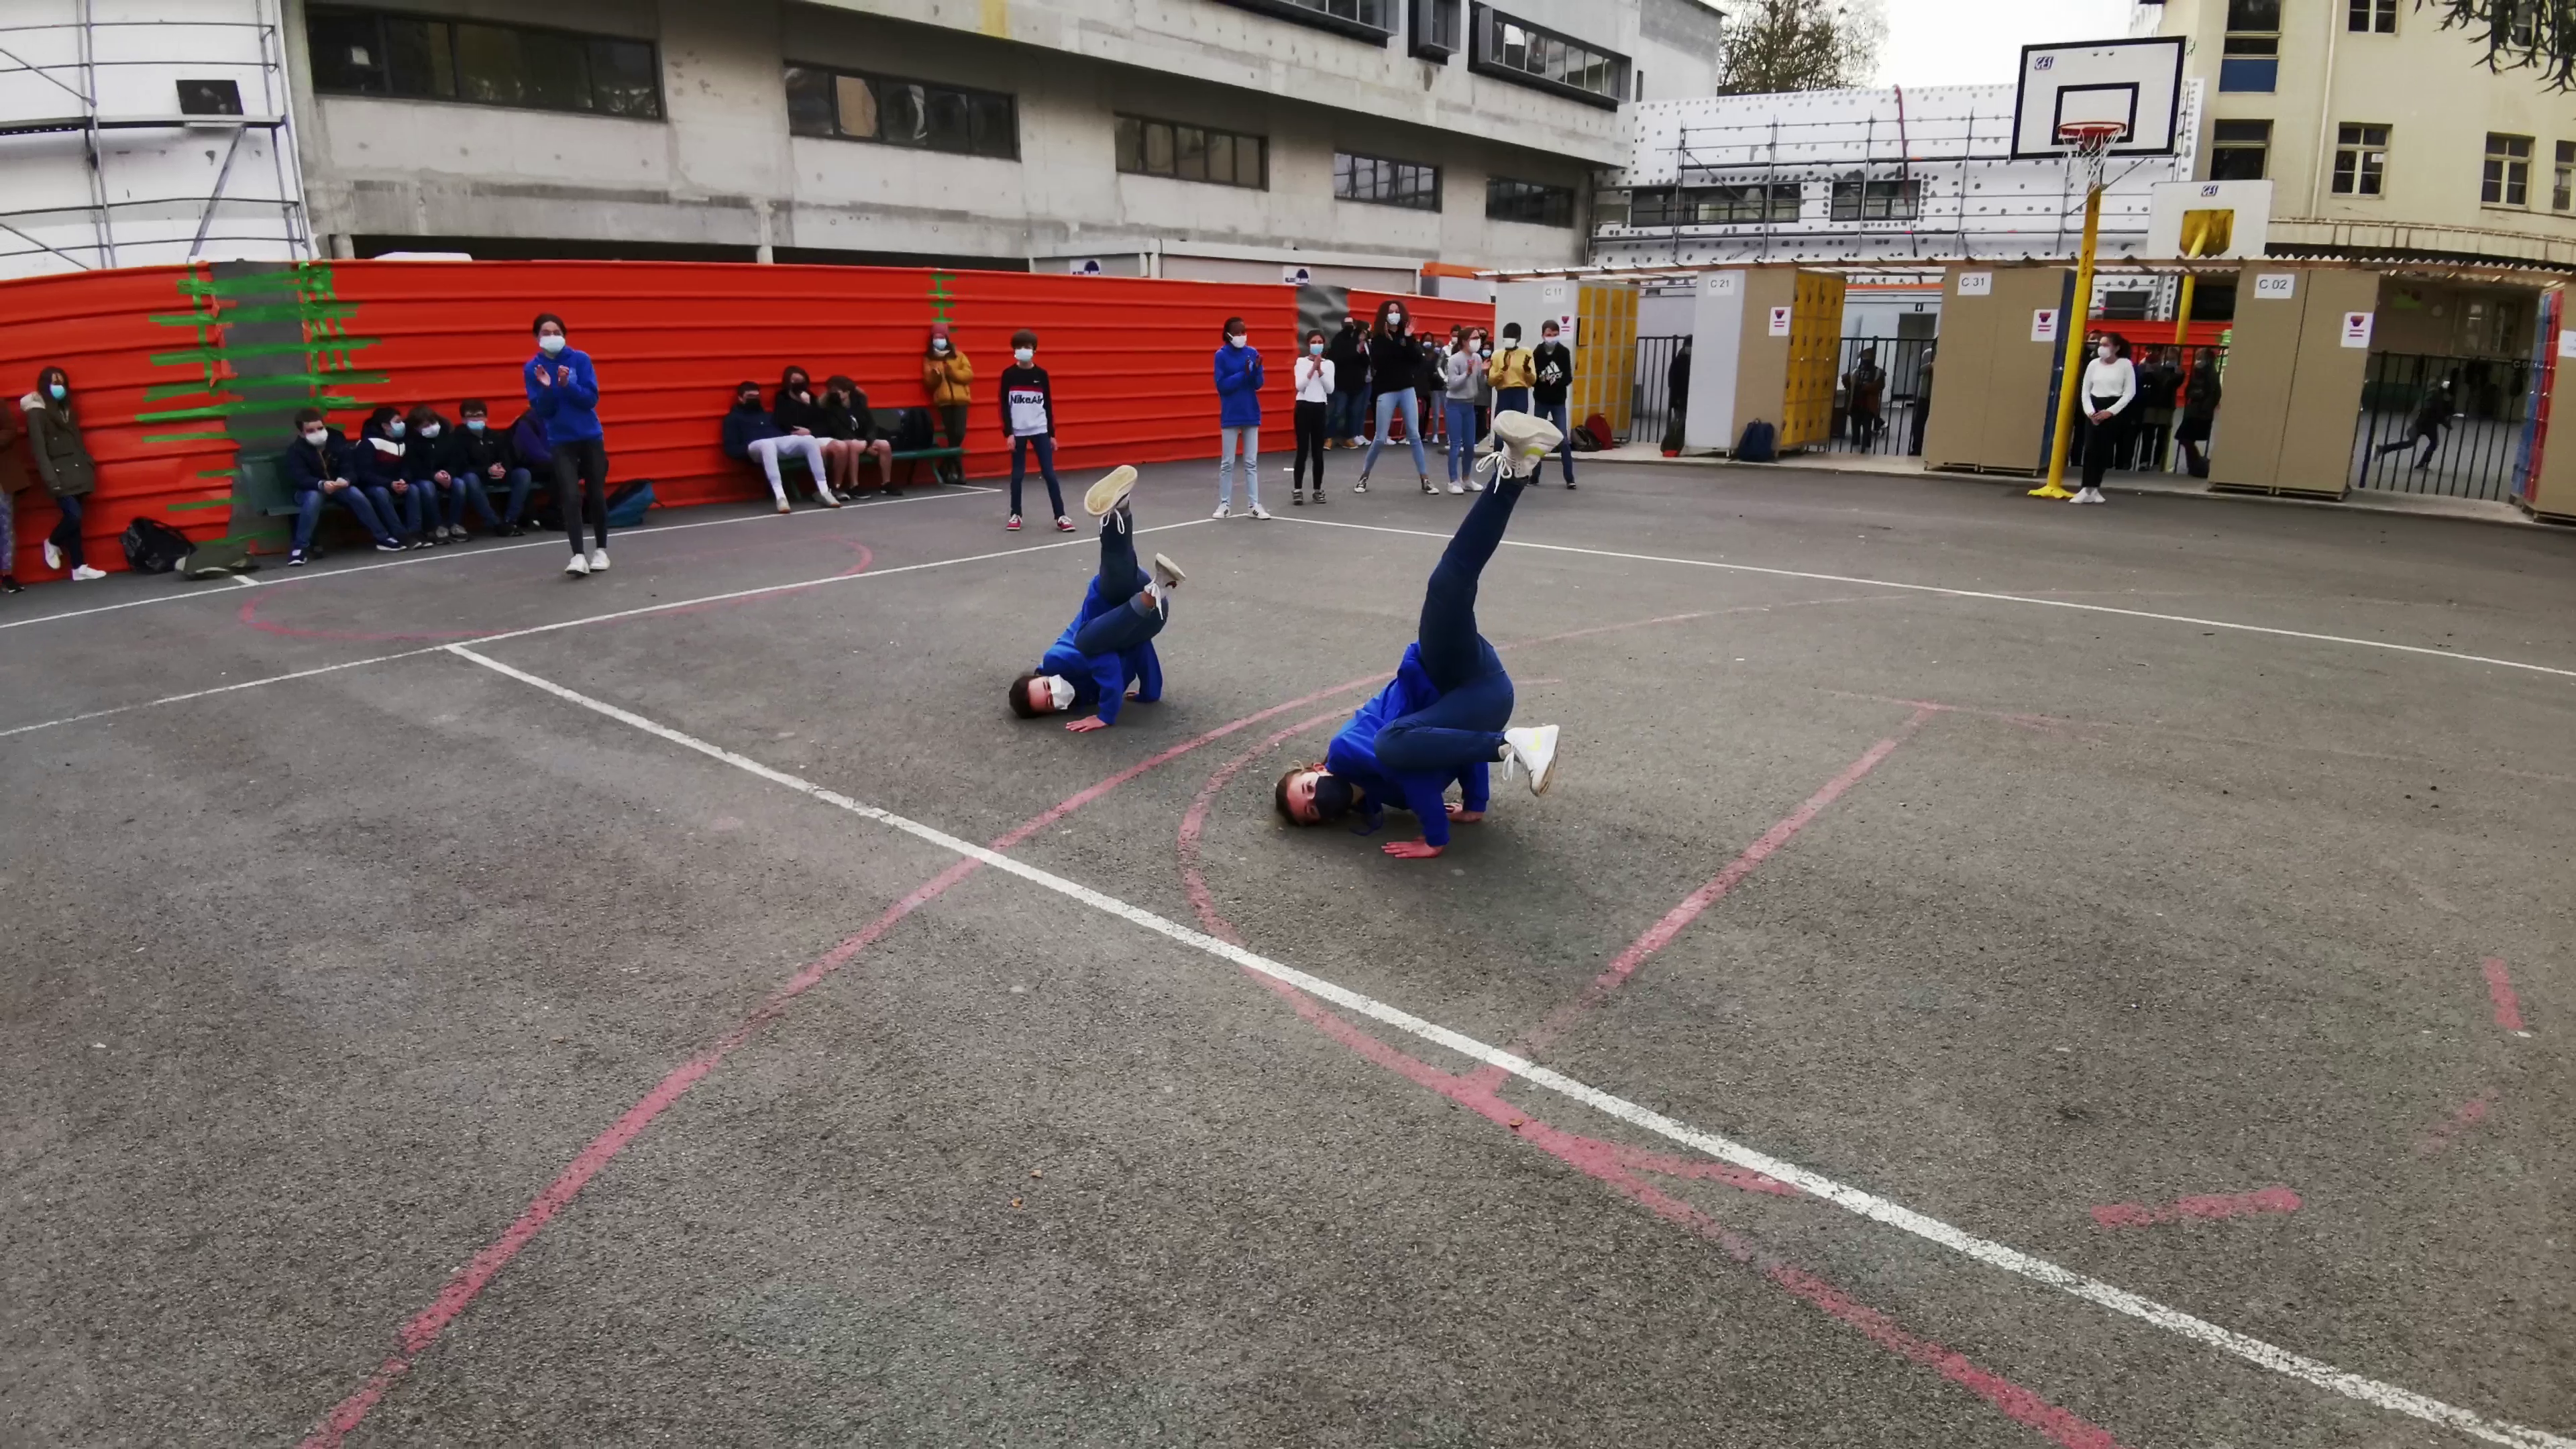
(1110,643)
(1444,718)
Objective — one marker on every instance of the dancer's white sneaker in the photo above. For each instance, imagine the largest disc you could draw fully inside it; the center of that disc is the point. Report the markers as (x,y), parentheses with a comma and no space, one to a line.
(1167,573)
(579,567)
(1110,491)
(1533,749)
(599,560)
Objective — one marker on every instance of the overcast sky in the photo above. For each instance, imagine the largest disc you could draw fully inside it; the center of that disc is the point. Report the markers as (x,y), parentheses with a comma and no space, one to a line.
(1978,42)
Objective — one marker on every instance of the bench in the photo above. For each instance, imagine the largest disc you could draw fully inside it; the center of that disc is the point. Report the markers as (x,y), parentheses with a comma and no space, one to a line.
(795,462)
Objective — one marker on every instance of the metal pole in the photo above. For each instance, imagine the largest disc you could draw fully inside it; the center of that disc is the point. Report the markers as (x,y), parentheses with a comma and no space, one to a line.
(2073,327)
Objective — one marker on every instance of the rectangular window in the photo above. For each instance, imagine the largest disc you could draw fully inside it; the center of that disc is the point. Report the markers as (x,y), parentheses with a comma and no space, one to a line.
(1369,20)
(1382,182)
(923,115)
(2251,60)
(2507,180)
(2361,160)
(1750,204)
(370,53)
(2237,150)
(1192,153)
(1858,200)
(2562,185)
(1530,201)
(1516,50)
(2377,17)
(1435,29)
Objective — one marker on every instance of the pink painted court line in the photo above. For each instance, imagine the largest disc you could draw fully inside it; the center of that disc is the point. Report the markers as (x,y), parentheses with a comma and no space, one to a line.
(2463,1117)
(2508,1006)
(2207,1209)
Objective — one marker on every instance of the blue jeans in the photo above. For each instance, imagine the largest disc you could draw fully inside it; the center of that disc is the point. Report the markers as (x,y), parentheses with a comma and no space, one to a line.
(1044,447)
(1346,415)
(519,482)
(308,514)
(1555,413)
(410,506)
(460,490)
(1511,400)
(67,530)
(1248,440)
(1462,438)
(1388,404)
(1128,625)
(1464,726)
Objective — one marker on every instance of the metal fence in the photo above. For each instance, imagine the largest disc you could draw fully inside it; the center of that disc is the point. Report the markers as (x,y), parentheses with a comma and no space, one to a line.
(1892,429)
(2444,425)
(1651,396)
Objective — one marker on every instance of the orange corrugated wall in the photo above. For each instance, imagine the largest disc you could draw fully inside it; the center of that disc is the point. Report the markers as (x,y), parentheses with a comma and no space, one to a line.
(1131,359)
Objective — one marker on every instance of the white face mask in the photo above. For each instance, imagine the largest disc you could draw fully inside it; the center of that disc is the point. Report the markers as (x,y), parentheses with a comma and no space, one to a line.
(1394,319)
(1023,354)
(1545,338)
(1060,690)
(939,344)
(317,437)
(429,430)
(2102,352)
(550,344)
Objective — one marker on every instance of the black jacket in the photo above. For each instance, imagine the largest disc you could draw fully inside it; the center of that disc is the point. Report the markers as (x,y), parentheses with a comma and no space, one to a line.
(2157,385)
(851,423)
(1553,362)
(2200,395)
(1349,354)
(427,457)
(1677,379)
(1392,363)
(793,412)
(467,451)
(1429,379)
(370,466)
(1027,384)
(308,467)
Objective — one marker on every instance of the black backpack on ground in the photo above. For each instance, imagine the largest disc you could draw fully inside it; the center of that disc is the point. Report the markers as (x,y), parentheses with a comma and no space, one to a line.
(1760,443)
(154,547)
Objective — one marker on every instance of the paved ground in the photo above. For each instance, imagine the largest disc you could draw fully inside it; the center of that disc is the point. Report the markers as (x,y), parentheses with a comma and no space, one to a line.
(2093,997)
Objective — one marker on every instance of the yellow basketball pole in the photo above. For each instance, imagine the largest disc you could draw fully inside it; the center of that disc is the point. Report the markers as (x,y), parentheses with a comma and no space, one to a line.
(2073,326)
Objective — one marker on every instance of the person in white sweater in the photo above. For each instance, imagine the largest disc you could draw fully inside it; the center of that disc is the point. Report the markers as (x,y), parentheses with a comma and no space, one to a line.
(1317,380)
(2110,388)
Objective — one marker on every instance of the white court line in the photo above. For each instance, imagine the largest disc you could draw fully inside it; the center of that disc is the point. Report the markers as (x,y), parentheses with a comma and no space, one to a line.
(442,556)
(1851,1199)
(1702,563)
(586,619)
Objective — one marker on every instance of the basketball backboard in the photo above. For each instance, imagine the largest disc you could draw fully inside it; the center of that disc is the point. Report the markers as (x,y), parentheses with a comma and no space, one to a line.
(2208,219)
(2134,83)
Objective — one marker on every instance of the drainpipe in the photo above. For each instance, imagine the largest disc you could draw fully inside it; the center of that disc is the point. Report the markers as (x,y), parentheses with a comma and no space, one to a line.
(2325,113)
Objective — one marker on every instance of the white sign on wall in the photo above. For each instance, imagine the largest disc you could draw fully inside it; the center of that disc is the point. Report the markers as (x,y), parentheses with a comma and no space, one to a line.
(1085,267)
(2043,325)
(1565,329)
(1976,284)
(2277,286)
(1295,276)
(2567,344)
(1552,292)
(1779,321)
(1724,284)
(2356,328)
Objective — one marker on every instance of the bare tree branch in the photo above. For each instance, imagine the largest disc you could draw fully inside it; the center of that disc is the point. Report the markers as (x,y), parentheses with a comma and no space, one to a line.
(2518,34)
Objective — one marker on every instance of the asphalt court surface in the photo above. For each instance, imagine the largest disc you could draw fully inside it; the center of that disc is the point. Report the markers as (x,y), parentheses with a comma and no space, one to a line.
(556,1043)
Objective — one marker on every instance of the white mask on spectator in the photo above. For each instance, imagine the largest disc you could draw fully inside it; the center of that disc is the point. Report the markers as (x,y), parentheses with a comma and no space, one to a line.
(1236,339)
(1023,354)
(939,344)
(394,429)
(550,345)
(2103,352)
(317,436)
(429,430)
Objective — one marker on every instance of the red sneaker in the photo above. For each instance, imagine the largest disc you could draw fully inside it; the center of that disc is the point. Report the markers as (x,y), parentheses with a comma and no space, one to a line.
(1014,524)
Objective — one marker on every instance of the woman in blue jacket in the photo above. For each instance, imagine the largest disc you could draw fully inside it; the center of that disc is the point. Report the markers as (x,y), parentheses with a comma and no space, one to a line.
(563,395)
(1238,417)
(1444,719)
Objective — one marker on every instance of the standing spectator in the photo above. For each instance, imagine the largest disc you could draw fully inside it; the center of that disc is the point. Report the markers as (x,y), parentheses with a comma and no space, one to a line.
(1459,370)
(488,454)
(1238,418)
(1511,372)
(1482,346)
(563,391)
(799,416)
(1349,354)
(2432,415)
(947,376)
(2200,395)
(1867,385)
(63,461)
(1676,398)
(377,464)
(2158,382)
(1922,400)
(14,478)
(1028,417)
(1429,380)
(1392,367)
(431,465)
(1553,365)
(850,434)
(752,435)
(1317,396)
(317,466)
(2110,388)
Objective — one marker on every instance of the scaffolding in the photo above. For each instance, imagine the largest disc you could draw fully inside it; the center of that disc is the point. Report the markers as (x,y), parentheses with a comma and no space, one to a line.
(165,120)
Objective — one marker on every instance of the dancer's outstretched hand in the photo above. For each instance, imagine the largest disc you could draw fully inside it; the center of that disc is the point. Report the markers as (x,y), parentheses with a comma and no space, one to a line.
(1463,815)
(1412,849)
(1086,726)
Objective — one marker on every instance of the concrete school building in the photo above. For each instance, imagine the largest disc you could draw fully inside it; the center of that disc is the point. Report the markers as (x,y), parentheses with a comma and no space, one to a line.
(1206,139)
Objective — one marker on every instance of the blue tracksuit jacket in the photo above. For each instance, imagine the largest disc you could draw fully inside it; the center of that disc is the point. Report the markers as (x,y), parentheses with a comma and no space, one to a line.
(1100,683)
(1353,755)
(568,411)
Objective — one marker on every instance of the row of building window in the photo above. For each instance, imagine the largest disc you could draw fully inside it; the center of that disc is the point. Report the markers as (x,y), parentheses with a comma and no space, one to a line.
(2251,59)
(370,53)
(1854,198)
(1498,44)
(2240,150)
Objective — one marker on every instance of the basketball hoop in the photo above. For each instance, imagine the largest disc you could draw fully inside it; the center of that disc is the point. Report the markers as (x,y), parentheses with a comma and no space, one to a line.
(2088,143)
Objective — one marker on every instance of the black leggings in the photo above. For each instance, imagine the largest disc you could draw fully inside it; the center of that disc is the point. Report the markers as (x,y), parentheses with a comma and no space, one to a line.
(2101,440)
(1311,430)
(581,483)
(952,428)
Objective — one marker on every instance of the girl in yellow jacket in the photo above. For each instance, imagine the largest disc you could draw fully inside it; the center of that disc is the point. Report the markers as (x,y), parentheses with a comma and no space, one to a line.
(1511,372)
(948,377)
